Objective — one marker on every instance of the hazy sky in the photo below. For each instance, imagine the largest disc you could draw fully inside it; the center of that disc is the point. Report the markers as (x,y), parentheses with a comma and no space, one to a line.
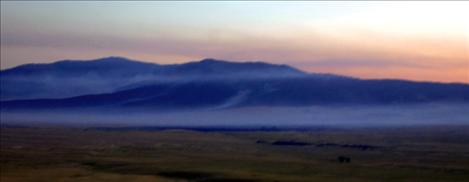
(411,40)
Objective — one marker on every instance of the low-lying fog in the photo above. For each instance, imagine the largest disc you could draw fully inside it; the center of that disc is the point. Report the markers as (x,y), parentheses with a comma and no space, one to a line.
(333,116)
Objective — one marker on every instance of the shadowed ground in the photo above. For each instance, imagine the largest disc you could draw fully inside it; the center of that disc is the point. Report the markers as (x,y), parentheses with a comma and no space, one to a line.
(438,153)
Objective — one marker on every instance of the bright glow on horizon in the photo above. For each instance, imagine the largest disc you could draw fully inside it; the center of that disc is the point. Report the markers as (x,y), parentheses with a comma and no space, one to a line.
(409,40)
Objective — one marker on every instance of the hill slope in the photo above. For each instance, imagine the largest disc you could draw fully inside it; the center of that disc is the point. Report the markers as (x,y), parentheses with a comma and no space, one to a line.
(73,78)
(266,92)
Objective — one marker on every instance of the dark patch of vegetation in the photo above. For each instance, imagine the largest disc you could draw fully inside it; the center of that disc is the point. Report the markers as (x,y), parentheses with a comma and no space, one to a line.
(78,175)
(295,143)
(201,176)
(104,166)
(228,180)
(353,146)
(261,141)
(360,146)
(343,159)
(187,175)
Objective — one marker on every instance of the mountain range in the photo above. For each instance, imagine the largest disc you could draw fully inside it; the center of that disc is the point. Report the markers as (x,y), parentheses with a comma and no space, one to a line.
(116,82)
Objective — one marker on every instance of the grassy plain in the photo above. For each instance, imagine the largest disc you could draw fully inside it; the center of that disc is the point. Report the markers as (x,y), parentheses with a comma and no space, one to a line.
(426,153)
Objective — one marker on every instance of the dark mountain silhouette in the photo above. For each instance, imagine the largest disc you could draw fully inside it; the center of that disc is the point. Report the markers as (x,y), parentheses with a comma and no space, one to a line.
(116,82)
(110,66)
(73,78)
(267,92)
(123,67)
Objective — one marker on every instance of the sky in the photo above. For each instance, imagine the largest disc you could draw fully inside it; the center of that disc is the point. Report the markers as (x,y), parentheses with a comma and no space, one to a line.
(423,41)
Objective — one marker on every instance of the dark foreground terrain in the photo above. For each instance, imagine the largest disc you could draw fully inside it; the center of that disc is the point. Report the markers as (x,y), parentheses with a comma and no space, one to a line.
(437,153)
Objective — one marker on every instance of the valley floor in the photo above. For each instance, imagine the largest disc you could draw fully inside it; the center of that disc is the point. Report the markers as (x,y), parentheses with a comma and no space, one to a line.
(438,153)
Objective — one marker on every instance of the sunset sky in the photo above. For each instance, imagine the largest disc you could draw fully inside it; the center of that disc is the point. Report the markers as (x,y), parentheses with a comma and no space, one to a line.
(408,40)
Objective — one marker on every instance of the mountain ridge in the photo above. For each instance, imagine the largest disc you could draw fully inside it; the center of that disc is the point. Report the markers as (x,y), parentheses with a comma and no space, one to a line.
(276,92)
(125,83)
(68,78)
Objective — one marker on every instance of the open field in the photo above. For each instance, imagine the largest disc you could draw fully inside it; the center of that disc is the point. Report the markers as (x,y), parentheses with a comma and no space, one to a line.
(430,153)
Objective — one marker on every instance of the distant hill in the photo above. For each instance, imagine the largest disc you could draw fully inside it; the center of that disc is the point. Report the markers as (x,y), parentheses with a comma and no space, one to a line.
(123,67)
(267,92)
(116,82)
(73,77)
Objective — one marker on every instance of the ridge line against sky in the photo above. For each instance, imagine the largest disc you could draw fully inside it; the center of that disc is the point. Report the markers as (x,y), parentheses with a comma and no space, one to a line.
(406,40)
